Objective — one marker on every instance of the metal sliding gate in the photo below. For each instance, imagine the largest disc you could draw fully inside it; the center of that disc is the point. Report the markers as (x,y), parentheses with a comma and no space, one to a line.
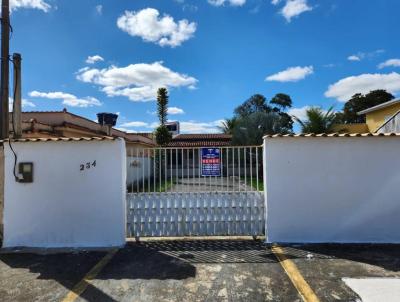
(205,191)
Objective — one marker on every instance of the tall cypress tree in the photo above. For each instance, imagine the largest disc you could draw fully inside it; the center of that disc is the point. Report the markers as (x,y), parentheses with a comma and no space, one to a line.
(163,136)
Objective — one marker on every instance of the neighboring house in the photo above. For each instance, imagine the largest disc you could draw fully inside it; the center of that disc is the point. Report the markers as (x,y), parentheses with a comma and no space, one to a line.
(376,118)
(392,125)
(45,124)
(183,153)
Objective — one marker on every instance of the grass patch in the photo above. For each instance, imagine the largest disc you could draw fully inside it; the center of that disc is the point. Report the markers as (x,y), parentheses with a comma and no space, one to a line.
(158,186)
(253,183)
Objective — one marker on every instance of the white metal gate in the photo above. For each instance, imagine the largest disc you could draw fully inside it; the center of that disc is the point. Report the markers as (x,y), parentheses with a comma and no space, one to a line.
(210,191)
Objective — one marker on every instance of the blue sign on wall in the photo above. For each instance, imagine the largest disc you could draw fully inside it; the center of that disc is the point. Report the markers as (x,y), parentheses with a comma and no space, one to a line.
(210,162)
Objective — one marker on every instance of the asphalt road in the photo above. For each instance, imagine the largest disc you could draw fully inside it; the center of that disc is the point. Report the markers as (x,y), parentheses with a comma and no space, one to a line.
(217,270)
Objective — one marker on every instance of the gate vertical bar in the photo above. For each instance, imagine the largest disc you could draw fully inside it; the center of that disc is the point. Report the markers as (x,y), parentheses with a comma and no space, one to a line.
(233,169)
(187,164)
(137,170)
(154,170)
(130,168)
(200,165)
(143,169)
(182,165)
(257,168)
(245,168)
(176,166)
(239,177)
(222,168)
(165,170)
(227,169)
(251,168)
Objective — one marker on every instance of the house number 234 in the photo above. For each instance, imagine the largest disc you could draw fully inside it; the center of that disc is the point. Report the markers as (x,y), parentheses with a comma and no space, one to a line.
(87,166)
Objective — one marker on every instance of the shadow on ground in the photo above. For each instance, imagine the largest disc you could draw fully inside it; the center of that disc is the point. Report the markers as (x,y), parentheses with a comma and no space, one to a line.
(386,256)
(212,251)
(22,275)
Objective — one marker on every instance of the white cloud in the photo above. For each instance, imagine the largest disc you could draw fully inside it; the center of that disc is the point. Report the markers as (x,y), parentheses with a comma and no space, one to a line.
(35,4)
(291,74)
(67,98)
(135,124)
(354,58)
(275,2)
(299,112)
(345,88)
(294,8)
(200,127)
(230,2)
(138,82)
(175,110)
(148,25)
(99,9)
(94,59)
(25,103)
(365,55)
(390,63)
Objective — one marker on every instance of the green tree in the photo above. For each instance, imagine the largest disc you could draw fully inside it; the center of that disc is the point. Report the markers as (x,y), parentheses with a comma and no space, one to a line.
(282,101)
(360,102)
(228,125)
(317,121)
(162,134)
(256,103)
(250,130)
(260,113)
(162,105)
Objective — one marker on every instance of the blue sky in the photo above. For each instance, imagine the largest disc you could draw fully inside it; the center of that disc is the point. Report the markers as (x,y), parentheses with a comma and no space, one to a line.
(93,56)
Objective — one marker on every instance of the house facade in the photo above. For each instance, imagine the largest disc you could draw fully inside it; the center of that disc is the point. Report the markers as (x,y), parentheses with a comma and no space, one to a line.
(52,124)
(376,118)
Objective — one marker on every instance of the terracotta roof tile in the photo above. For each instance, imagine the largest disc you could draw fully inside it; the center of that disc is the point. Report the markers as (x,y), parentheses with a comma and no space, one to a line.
(333,135)
(62,139)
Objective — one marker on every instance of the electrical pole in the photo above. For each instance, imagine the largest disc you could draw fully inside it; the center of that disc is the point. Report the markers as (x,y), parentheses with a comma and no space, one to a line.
(17,105)
(5,50)
(4,82)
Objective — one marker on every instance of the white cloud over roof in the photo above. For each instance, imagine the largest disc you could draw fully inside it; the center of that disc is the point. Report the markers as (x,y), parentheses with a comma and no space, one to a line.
(175,110)
(67,98)
(94,59)
(291,74)
(230,2)
(163,31)
(390,63)
(138,82)
(294,8)
(345,88)
(35,4)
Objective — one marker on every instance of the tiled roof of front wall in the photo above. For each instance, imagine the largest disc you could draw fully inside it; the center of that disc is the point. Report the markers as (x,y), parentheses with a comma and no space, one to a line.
(333,135)
(62,139)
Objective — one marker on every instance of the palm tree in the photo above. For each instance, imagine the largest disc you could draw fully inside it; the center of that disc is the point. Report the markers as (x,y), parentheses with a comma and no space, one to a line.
(228,125)
(318,121)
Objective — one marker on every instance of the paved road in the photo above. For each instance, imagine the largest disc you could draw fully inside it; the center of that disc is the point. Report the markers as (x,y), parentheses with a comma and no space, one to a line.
(241,270)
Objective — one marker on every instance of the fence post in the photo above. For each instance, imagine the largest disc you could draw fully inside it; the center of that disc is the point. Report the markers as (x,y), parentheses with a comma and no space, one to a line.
(264,159)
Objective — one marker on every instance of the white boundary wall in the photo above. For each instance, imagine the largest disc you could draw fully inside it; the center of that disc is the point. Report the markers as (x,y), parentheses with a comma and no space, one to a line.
(333,189)
(64,206)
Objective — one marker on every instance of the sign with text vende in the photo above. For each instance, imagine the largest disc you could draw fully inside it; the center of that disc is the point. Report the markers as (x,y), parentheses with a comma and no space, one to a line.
(210,162)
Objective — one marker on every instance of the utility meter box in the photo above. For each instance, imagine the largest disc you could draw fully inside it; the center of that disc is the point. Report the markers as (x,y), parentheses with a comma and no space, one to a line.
(26,171)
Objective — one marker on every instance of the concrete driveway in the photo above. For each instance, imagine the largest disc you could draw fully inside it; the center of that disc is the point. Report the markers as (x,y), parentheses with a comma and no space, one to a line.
(194,270)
